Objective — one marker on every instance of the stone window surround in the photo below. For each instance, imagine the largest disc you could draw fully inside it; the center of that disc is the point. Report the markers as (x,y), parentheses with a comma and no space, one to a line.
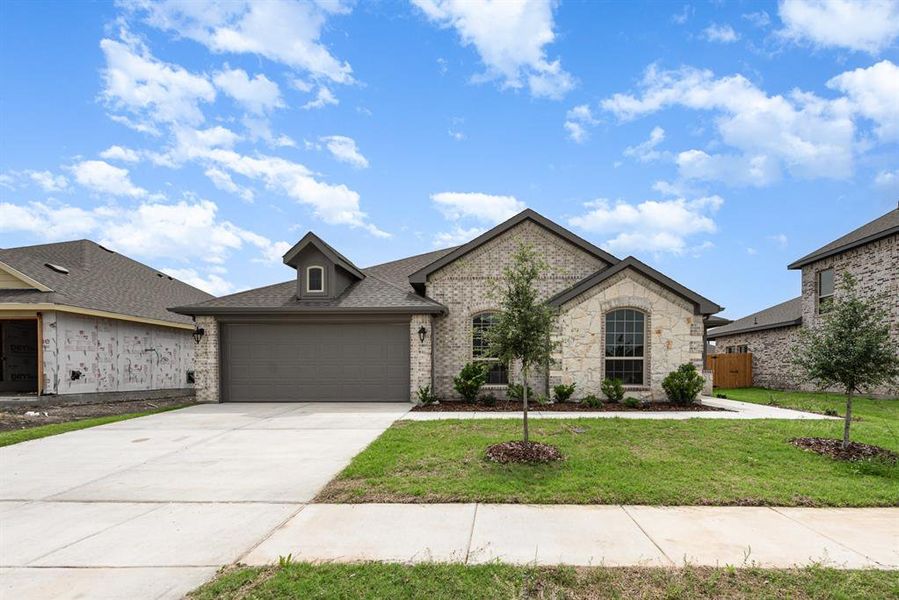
(647,342)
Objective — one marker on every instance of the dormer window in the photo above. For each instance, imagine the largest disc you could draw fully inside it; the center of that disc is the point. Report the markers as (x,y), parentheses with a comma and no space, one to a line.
(315,279)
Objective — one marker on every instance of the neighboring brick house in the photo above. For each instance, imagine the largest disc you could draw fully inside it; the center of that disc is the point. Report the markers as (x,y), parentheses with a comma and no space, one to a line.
(337,332)
(870,253)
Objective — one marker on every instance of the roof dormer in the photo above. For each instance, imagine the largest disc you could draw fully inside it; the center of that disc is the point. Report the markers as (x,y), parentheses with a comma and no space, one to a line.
(322,272)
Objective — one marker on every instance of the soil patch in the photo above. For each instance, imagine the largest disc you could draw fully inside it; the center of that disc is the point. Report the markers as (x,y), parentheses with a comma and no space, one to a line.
(854,452)
(519,452)
(48,412)
(502,406)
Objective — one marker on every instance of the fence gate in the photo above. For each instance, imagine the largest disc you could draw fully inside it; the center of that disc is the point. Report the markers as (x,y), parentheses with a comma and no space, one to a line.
(731,370)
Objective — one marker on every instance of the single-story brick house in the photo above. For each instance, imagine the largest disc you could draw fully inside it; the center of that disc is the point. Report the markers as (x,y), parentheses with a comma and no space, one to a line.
(870,253)
(338,332)
(78,318)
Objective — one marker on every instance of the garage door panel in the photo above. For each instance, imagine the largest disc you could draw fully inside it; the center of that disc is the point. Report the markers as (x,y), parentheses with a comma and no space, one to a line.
(316,362)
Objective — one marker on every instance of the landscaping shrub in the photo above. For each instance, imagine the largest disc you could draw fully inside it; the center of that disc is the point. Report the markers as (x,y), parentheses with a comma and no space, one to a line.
(542,399)
(516,392)
(591,401)
(683,385)
(563,393)
(613,389)
(425,395)
(720,395)
(488,400)
(632,402)
(470,380)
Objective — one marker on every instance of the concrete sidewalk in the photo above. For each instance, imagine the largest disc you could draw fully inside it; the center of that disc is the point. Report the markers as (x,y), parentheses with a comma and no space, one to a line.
(733,410)
(850,538)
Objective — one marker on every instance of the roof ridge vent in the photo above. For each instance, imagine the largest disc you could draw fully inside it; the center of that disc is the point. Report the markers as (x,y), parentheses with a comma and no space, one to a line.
(57,268)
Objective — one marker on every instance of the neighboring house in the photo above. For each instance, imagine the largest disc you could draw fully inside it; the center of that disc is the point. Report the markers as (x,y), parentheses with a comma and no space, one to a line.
(870,253)
(78,318)
(338,332)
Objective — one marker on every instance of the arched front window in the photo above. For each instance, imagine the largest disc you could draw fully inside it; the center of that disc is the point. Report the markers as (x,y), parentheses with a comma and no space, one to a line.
(315,279)
(625,345)
(480,348)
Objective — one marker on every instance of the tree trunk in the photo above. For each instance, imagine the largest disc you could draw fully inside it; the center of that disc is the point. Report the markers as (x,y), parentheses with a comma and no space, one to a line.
(524,396)
(848,420)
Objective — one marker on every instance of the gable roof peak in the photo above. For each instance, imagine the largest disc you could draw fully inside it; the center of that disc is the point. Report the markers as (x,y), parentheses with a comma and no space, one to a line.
(290,257)
(419,278)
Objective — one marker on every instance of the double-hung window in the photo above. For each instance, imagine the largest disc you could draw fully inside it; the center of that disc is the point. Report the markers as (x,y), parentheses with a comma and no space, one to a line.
(625,346)
(480,348)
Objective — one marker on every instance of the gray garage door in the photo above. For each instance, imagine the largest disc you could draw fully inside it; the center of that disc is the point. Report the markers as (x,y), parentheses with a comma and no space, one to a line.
(348,362)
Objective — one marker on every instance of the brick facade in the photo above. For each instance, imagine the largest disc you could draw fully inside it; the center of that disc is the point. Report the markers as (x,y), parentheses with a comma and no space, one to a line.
(207,361)
(673,334)
(468,286)
(420,354)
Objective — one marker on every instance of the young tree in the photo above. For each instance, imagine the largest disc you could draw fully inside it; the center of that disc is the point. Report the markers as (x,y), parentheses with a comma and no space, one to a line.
(523,330)
(851,348)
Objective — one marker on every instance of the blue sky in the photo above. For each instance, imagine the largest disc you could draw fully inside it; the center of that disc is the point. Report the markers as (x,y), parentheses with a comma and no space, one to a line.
(717,142)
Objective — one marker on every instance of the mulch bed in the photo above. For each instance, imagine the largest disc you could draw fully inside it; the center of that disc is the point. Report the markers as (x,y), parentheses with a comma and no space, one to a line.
(50,411)
(501,406)
(519,452)
(854,452)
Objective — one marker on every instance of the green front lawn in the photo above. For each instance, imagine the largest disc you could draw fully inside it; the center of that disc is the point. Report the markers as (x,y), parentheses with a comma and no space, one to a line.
(884,411)
(16,436)
(452,582)
(626,461)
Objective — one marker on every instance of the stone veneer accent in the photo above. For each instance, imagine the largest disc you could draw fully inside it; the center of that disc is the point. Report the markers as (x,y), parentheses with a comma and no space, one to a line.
(771,350)
(674,334)
(467,286)
(420,355)
(206,371)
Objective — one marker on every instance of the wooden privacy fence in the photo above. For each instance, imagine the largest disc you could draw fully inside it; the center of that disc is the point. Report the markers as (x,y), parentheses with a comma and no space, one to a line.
(730,370)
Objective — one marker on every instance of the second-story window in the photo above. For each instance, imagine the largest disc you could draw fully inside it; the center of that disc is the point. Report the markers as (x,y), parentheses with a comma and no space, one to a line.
(825,290)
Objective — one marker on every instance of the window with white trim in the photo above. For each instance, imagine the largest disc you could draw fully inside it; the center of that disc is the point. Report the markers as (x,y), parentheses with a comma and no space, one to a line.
(625,346)
(480,348)
(315,279)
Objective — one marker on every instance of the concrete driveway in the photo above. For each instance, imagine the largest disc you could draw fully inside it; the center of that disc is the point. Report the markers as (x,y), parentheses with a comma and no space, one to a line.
(152,507)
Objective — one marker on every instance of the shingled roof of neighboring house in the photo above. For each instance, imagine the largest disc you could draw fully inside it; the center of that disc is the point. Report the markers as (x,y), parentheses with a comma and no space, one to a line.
(96,278)
(877,229)
(785,314)
(386,288)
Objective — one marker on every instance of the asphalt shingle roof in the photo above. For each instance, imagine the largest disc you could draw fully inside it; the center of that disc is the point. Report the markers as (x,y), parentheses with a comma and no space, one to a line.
(98,279)
(879,228)
(386,286)
(781,315)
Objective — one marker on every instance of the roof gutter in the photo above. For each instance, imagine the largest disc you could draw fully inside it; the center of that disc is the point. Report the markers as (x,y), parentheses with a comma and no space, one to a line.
(711,334)
(814,256)
(307,310)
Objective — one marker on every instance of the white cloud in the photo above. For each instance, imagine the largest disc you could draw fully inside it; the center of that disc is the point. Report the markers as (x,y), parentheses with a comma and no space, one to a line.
(283,31)
(759,19)
(862,25)
(577,120)
(154,91)
(212,283)
(223,181)
(510,38)
(646,151)
(48,221)
(324,97)
(258,95)
(457,236)
(344,149)
(801,133)
(485,208)
(723,34)
(48,181)
(887,179)
(120,153)
(683,16)
(103,178)
(657,226)
(873,93)
(780,239)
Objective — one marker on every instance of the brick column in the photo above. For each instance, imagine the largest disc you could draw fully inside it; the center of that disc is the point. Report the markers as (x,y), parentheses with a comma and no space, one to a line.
(420,366)
(206,362)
